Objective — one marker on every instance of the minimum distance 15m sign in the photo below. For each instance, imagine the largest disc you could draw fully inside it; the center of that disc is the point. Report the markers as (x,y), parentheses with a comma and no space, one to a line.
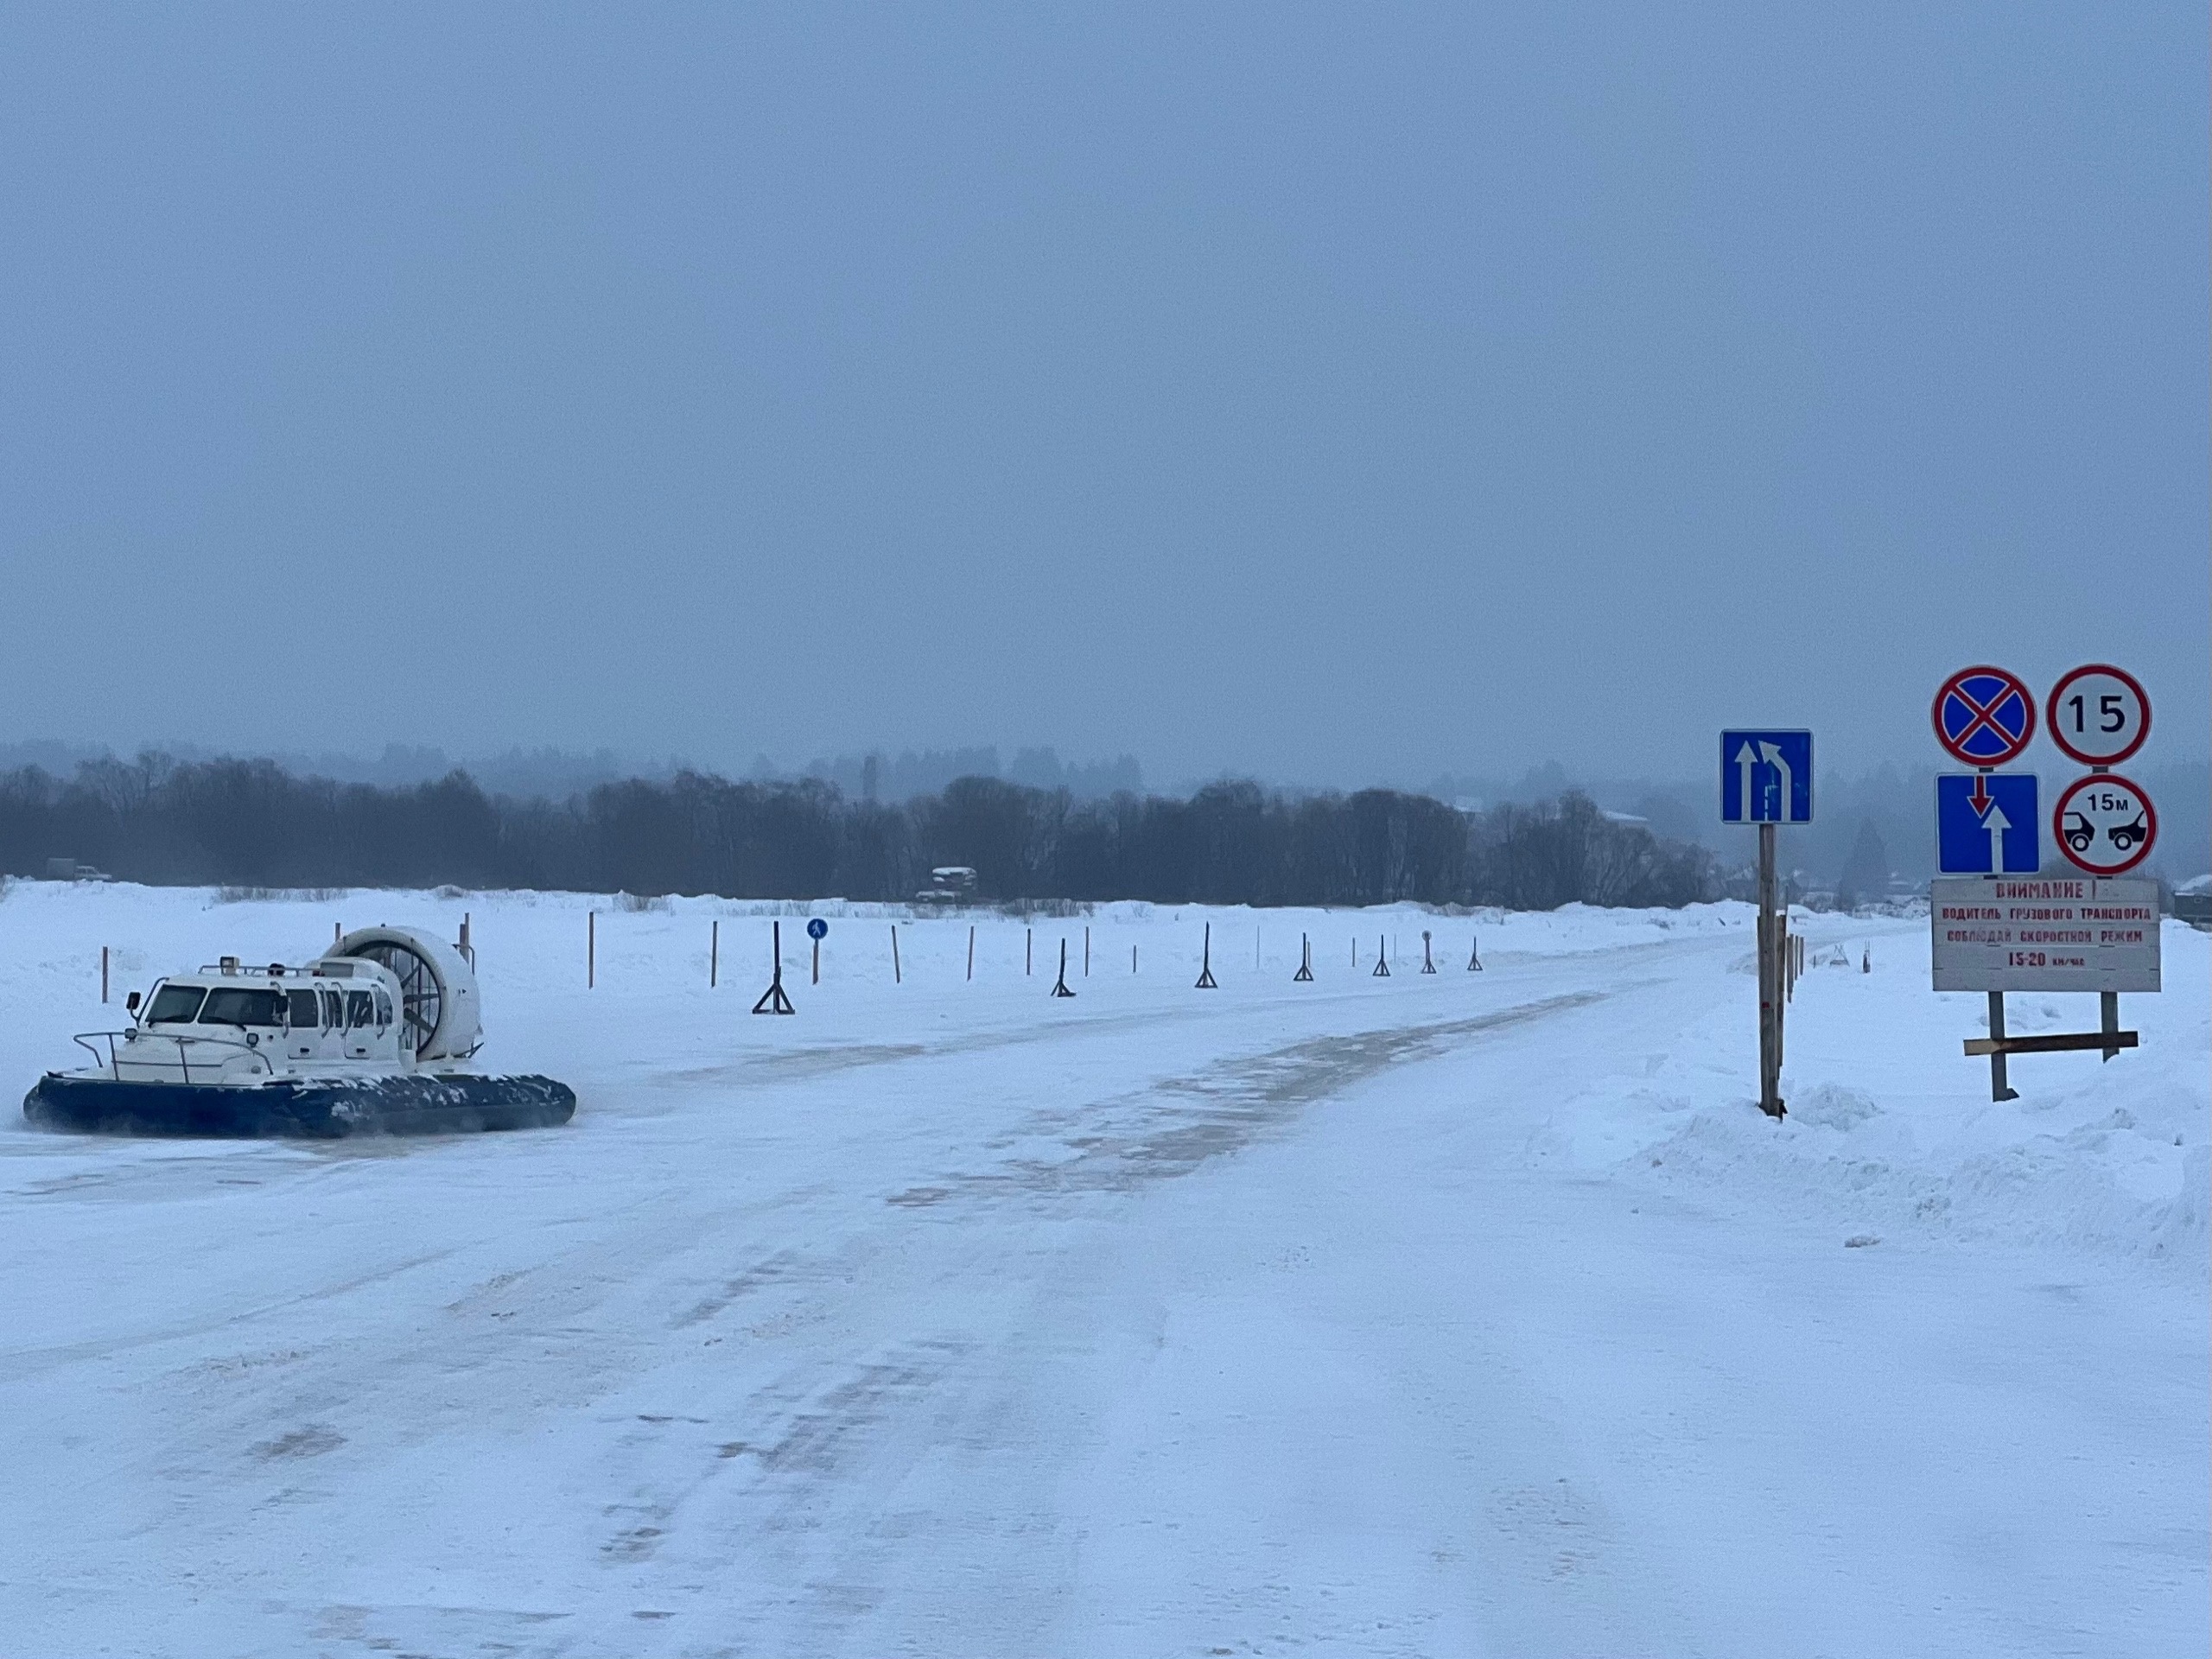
(2104,825)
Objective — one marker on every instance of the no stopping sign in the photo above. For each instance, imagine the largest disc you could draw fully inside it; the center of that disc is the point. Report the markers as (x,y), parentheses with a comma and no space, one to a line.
(1984,716)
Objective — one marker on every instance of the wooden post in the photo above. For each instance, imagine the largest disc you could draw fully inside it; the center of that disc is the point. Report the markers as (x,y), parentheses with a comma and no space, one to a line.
(817,961)
(714,954)
(1257,966)
(1086,953)
(465,945)
(2107,1007)
(1060,985)
(337,932)
(1133,958)
(103,973)
(897,977)
(1205,963)
(971,950)
(1789,974)
(1028,955)
(1999,1088)
(591,948)
(1770,981)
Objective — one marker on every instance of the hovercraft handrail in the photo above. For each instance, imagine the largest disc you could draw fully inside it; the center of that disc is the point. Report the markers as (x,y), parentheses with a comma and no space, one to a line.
(85,1039)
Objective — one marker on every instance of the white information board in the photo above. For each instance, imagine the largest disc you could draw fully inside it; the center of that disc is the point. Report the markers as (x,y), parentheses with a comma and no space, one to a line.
(2044,933)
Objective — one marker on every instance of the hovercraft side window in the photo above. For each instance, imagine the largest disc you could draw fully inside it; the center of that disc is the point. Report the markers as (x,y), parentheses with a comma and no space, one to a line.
(384,1010)
(306,1013)
(360,1010)
(232,1005)
(175,1003)
(334,1011)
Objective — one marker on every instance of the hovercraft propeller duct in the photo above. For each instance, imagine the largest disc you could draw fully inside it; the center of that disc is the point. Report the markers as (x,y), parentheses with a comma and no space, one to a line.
(438,989)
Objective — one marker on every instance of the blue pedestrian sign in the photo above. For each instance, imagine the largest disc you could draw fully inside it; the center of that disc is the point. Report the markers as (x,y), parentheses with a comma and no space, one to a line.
(817,929)
(1986,823)
(1766,777)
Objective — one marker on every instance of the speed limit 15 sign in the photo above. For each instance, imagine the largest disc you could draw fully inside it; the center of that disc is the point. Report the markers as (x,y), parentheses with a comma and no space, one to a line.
(2099,714)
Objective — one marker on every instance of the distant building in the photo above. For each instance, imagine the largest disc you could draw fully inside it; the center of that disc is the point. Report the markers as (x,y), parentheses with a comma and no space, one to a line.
(2193,902)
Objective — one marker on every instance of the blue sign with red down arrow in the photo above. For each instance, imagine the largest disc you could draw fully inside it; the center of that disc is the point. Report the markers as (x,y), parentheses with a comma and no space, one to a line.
(1986,823)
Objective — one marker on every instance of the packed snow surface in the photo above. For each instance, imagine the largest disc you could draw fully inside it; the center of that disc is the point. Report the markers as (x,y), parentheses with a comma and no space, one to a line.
(1426,1314)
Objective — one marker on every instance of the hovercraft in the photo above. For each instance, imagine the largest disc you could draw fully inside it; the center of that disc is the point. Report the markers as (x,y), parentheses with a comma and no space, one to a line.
(371,1038)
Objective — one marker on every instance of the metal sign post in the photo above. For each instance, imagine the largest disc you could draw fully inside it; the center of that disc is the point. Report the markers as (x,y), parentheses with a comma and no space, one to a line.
(774,1000)
(1770,981)
(1766,779)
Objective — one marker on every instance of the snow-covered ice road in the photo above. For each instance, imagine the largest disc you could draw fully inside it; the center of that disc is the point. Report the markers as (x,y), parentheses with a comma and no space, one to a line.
(1464,1313)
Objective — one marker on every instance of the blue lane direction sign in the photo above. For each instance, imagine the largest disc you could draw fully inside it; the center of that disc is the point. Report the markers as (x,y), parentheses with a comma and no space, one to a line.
(1986,823)
(1766,777)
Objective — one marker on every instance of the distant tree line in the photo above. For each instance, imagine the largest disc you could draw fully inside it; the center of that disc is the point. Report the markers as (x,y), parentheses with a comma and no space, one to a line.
(253,823)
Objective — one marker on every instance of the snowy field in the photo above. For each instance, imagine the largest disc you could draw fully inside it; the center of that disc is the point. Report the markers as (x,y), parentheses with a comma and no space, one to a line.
(1472,1313)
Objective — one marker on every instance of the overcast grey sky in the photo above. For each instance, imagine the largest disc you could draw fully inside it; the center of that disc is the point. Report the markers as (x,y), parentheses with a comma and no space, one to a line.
(1325,392)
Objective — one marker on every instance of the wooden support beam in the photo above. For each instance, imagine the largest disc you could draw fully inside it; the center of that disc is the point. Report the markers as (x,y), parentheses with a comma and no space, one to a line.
(2055,1043)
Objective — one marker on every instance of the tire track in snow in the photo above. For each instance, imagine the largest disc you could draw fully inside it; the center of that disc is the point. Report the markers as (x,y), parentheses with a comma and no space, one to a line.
(828,1441)
(1173,1127)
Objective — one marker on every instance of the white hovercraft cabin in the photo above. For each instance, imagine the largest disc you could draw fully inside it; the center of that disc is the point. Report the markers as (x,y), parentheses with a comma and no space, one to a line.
(381,1002)
(374,1036)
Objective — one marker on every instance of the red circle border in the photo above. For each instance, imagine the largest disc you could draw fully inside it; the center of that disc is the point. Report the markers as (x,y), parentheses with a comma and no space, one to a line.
(2058,823)
(2067,679)
(2027,731)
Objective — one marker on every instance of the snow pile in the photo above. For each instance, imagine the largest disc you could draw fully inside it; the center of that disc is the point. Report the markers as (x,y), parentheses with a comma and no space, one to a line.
(1891,1129)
